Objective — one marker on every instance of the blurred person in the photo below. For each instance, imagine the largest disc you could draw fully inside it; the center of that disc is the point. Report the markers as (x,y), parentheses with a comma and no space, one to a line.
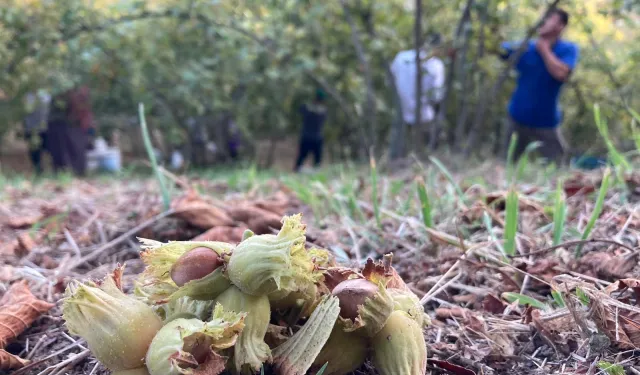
(70,128)
(433,77)
(545,66)
(314,115)
(35,126)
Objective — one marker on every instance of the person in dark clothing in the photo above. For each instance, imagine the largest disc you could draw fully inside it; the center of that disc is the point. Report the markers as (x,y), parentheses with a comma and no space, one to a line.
(35,123)
(69,126)
(314,116)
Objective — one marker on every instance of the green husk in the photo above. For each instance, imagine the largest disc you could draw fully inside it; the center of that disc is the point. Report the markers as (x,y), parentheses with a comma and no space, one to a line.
(117,328)
(400,348)
(250,351)
(184,346)
(343,353)
(297,354)
(373,314)
(160,257)
(135,371)
(264,264)
(185,308)
(408,302)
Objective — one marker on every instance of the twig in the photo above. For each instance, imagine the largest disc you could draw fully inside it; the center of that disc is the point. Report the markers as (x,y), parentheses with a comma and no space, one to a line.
(574,243)
(429,296)
(97,252)
(72,242)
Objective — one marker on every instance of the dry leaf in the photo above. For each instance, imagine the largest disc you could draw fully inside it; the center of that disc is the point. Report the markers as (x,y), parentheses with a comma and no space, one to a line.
(223,234)
(22,222)
(9,361)
(493,304)
(451,313)
(18,310)
(24,245)
(450,367)
(213,365)
(258,220)
(195,210)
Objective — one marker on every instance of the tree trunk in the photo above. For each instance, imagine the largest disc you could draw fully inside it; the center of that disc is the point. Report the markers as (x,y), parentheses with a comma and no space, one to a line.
(461,124)
(397,136)
(418,46)
(466,14)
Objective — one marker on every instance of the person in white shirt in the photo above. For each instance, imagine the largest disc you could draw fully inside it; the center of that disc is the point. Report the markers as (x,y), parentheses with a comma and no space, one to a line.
(404,71)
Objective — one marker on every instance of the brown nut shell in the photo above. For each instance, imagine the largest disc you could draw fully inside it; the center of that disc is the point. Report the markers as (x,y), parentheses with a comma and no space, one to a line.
(194,265)
(353,293)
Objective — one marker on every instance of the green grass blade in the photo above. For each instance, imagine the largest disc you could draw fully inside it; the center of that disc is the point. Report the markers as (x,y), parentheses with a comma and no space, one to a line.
(152,158)
(424,203)
(323,368)
(487,223)
(524,300)
(513,142)
(559,214)
(617,158)
(611,369)
(374,191)
(524,159)
(597,210)
(448,175)
(557,297)
(511,223)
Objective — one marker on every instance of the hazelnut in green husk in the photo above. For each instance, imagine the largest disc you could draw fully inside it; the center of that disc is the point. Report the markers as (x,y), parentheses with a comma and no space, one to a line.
(117,328)
(250,350)
(265,264)
(407,301)
(364,306)
(183,268)
(344,352)
(191,346)
(400,348)
(185,308)
(182,261)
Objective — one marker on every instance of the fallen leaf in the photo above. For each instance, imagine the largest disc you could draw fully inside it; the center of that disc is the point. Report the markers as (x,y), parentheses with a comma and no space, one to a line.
(454,312)
(493,304)
(608,265)
(223,234)
(22,222)
(264,225)
(9,361)
(260,221)
(454,369)
(213,365)
(24,245)
(18,310)
(276,335)
(7,273)
(196,211)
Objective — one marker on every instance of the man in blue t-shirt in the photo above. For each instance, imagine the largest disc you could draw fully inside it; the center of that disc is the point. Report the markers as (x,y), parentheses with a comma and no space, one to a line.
(544,67)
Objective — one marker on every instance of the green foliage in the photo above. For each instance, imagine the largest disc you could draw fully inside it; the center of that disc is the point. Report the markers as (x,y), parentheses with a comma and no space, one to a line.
(511,223)
(524,300)
(597,209)
(257,61)
(374,191)
(611,369)
(559,214)
(166,199)
(424,203)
